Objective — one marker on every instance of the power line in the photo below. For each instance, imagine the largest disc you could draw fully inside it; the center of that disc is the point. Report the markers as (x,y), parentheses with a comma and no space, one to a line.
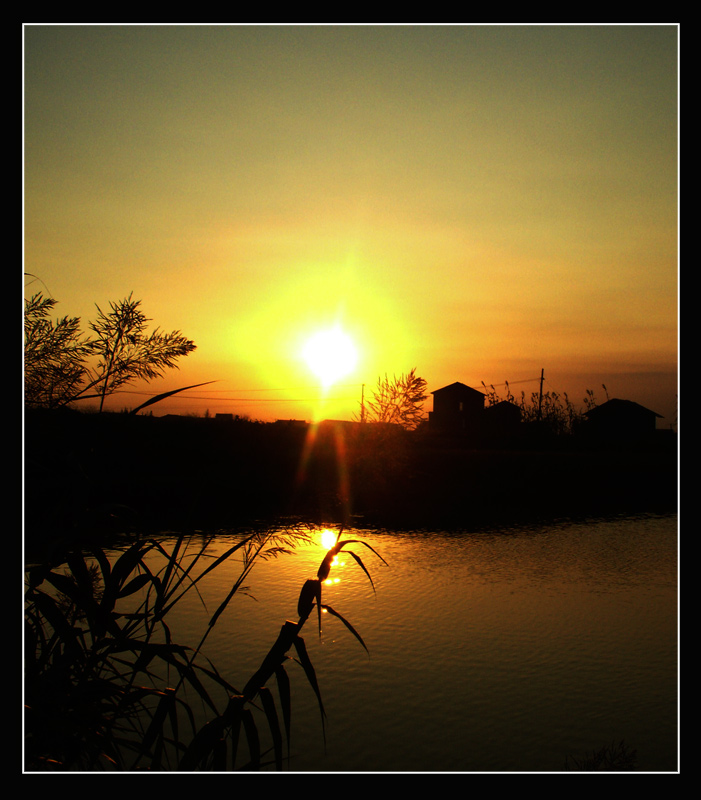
(512,383)
(228,391)
(267,399)
(183,396)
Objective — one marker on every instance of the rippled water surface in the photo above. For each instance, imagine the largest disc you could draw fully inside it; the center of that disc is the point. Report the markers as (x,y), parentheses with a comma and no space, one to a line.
(501,650)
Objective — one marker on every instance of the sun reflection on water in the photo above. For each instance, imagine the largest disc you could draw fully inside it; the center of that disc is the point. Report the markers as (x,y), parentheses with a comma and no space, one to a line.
(328,539)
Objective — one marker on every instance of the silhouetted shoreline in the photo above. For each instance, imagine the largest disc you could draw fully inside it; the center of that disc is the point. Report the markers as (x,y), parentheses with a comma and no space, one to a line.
(86,473)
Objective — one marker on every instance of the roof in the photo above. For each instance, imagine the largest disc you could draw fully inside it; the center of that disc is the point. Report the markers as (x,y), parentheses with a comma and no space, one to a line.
(458,387)
(616,406)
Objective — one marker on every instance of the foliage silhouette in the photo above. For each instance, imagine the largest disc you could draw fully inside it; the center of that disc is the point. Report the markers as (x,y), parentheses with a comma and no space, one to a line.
(552,411)
(59,361)
(55,355)
(609,758)
(398,401)
(96,695)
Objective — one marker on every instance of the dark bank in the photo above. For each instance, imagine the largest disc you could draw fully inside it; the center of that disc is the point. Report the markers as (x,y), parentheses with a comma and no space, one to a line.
(86,471)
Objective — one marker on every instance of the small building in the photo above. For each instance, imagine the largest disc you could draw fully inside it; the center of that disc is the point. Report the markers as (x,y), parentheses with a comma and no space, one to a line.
(621,420)
(456,408)
(502,417)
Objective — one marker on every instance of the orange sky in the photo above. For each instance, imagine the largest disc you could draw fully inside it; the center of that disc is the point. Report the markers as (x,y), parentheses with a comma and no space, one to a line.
(476,202)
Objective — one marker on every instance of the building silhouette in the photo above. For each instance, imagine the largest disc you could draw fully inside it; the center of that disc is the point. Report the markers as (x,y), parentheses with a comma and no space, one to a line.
(457,408)
(621,420)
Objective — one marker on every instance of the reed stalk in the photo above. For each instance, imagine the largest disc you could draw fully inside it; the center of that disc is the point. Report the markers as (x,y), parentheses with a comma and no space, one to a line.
(97,693)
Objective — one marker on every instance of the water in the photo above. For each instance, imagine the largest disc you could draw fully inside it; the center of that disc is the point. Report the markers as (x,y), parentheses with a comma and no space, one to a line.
(490,651)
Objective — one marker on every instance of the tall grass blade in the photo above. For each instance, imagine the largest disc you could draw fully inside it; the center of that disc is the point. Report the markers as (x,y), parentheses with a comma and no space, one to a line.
(76,626)
(362,566)
(160,397)
(155,728)
(309,671)
(80,572)
(283,688)
(68,635)
(252,739)
(202,745)
(99,555)
(135,585)
(120,572)
(172,561)
(348,625)
(341,545)
(219,755)
(234,719)
(311,591)
(273,723)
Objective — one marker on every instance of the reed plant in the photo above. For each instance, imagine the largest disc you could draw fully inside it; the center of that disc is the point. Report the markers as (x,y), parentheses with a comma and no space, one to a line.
(614,757)
(108,688)
(553,411)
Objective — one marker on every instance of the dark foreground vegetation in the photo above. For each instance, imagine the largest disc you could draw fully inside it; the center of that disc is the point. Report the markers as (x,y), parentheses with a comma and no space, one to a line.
(106,687)
(182,473)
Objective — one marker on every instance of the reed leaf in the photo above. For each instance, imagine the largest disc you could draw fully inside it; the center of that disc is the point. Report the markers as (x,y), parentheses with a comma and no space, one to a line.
(80,572)
(362,566)
(219,755)
(172,563)
(104,562)
(135,585)
(234,714)
(365,544)
(325,567)
(311,591)
(120,572)
(348,625)
(154,731)
(158,398)
(202,744)
(48,607)
(213,674)
(272,660)
(273,723)
(252,739)
(309,671)
(283,688)
(81,631)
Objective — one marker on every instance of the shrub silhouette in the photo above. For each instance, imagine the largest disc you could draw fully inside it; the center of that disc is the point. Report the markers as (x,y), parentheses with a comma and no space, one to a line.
(61,365)
(95,696)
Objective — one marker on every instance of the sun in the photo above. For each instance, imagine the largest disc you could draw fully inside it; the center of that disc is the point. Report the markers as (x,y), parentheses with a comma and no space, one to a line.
(330,355)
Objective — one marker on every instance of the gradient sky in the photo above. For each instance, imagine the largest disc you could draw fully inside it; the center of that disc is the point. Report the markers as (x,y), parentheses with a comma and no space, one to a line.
(478,202)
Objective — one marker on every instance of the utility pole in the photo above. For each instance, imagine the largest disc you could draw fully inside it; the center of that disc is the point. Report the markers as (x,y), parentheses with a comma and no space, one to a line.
(540,395)
(362,404)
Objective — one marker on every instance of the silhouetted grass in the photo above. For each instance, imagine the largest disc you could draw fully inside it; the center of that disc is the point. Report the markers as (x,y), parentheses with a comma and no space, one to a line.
(109,689)
(610,758)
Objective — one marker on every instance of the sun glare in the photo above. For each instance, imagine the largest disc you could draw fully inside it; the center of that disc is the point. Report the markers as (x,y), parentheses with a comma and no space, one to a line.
(330,355)
(328,538)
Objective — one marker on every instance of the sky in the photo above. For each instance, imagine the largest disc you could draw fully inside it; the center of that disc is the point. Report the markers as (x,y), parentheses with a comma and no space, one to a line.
(477,202)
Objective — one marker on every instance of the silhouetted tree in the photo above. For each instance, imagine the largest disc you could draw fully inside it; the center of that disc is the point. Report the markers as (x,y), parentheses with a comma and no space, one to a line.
(57,356)
(399,400)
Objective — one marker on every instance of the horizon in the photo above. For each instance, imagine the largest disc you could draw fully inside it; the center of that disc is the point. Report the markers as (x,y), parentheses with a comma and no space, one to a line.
(477,202)
(201,405)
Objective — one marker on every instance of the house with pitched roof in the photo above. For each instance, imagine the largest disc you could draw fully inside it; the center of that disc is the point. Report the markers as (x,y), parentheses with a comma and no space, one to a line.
(456,408)
(621,420)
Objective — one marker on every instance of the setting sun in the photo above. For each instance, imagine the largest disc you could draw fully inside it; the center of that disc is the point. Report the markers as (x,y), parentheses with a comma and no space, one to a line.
(330,355)
(388,313)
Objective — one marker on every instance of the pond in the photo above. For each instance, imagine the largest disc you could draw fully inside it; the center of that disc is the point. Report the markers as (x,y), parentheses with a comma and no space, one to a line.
(504,650)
